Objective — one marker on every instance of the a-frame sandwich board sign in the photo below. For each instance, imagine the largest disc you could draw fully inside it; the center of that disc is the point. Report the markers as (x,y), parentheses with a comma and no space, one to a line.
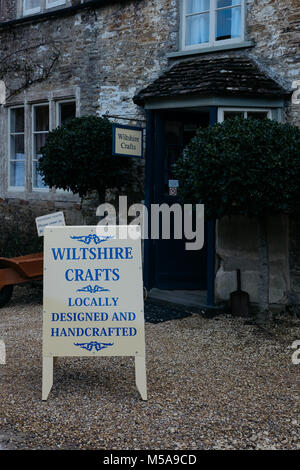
(93,297)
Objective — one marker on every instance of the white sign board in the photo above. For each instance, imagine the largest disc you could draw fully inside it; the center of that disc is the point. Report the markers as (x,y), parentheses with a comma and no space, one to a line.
(173,184)
(93,297)
(44,221)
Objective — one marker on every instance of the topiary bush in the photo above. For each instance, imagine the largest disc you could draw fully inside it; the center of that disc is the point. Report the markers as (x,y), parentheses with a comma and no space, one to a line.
(244,166)
(78,157)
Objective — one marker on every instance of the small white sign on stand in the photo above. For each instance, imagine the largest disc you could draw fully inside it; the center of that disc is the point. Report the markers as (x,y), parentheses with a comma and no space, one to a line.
(57,219)
(93,297)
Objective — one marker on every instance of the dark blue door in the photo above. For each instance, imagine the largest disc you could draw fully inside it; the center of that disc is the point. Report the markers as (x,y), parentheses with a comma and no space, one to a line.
(174,267)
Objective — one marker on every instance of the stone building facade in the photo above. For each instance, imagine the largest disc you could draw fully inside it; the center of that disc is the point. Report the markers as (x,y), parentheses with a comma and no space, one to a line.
(80,57)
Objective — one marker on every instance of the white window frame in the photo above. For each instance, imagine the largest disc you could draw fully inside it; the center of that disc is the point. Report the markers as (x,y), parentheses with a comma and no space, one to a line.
(243,110)
(29,107)
(15,188)
(32,146)
(212,42)
(31,11)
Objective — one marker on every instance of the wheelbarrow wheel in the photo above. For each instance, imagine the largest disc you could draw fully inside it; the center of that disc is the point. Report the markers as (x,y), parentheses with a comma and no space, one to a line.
(5,295)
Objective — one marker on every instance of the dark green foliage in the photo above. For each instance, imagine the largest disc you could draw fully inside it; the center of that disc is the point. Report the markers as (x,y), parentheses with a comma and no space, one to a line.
(18,242)
(5,295)
(249,167)
(78,157)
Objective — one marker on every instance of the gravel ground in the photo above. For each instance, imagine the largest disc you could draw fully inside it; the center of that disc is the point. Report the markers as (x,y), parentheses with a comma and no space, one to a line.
(219,383)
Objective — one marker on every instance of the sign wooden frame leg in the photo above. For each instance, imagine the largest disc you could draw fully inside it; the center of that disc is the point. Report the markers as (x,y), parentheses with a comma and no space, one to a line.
(47,376)
(141,376)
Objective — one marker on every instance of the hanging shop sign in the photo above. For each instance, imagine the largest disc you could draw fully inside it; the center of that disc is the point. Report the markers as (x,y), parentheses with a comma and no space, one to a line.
(127,141)
(93,297)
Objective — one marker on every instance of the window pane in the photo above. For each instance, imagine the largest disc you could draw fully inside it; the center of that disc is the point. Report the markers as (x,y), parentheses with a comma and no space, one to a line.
(54,3)
(32,4)
(173,132)
(189,131)
(17,168)
(41,128)
(227,3)
(257,115)
(41,118)
(17,120)
(232,114)
(39,141)
(66,111)
(197,29)
(17,173)
(172,156)
(228,23)
(37,179)
(196,6)
(17,147)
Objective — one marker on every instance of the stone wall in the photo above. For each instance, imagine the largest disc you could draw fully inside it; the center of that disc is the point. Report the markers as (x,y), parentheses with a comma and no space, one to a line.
(18,234)
(110,52)
(237,248)
(8,10)
(103,56)
(274,27)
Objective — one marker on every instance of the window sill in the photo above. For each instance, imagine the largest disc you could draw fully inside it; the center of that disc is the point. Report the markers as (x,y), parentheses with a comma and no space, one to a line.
(40,195)
(210,50)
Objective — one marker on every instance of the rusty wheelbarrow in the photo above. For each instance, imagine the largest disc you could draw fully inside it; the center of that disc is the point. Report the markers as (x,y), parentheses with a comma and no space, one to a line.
(17,271)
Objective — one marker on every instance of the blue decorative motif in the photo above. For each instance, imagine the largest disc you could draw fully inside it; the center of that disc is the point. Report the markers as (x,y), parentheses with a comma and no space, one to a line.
(87,239)
(92,290)
(93,344)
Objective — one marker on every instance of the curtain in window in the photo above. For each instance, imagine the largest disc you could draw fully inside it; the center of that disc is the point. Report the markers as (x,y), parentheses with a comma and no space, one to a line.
(228,19)
(197,29)
(17,163)
(197,25)
(236,20)
(17,153)
(196,6)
